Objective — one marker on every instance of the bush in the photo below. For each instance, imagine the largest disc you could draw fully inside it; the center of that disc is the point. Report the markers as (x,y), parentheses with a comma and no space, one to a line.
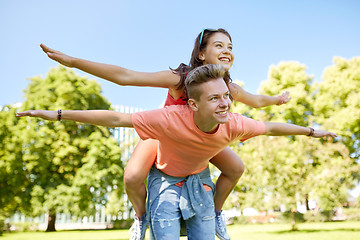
(239,220)
(122,224)
(24,226)
(352,214)
(317,217)
(2,226)
(299,217)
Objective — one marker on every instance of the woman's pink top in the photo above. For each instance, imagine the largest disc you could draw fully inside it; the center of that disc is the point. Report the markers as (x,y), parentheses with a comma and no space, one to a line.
(182,100)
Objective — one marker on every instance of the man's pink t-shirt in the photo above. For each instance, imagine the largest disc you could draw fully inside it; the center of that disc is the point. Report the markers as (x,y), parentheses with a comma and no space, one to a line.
(184,149)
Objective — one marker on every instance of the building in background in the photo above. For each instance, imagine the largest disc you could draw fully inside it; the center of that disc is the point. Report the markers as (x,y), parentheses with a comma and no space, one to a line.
(126,137)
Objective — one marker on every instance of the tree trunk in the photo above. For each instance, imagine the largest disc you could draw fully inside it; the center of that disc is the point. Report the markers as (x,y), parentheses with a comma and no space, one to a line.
(307,202)
(293,221)
(51,222)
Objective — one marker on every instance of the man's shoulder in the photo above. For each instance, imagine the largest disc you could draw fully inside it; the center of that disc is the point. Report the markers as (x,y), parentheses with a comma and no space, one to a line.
(183,109)
(235,116)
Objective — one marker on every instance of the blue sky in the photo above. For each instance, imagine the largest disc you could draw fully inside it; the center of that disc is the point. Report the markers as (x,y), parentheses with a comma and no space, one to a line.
(155,35)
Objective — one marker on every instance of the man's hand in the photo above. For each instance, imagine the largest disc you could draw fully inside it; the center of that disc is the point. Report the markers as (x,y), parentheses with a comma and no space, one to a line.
(323,133)
(47,115)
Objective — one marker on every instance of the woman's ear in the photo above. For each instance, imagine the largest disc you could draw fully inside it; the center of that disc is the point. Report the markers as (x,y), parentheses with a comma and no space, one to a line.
(201,56)
(192,104)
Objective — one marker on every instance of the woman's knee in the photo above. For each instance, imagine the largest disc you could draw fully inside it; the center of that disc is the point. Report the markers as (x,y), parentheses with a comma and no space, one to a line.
(232,168)
(132,177)
(229,163)
(236,171)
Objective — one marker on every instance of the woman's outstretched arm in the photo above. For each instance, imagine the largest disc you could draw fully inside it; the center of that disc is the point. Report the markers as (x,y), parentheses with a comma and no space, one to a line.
(256,101)
(115,74)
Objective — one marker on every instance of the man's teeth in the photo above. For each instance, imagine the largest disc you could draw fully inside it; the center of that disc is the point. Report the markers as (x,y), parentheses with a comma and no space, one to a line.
(224,112)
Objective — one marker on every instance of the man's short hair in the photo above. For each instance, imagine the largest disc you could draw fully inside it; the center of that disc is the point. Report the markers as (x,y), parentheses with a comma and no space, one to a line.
(201,75)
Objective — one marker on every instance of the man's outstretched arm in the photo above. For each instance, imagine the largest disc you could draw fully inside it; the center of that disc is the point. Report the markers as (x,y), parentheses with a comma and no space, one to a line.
(95,117)
(286,129)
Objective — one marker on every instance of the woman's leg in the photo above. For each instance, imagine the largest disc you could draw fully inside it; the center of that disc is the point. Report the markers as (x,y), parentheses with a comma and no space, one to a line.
(136,171)
(231,167)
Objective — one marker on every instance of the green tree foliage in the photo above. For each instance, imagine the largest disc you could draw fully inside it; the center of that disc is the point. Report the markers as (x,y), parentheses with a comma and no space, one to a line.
(337,101)
(71,167)
(285,171)
(289,76)
(13,180)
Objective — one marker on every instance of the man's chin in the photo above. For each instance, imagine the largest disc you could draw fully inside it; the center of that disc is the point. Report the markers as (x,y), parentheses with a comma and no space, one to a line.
(223,120)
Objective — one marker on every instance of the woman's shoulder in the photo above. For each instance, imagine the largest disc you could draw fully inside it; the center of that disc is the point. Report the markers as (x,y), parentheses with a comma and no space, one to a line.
(176,97)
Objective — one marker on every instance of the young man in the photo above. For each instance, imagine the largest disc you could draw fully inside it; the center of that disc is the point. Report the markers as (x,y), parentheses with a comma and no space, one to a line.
(179,183)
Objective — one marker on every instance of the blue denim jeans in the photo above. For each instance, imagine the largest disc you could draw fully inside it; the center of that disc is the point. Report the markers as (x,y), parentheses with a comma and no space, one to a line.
(165,217)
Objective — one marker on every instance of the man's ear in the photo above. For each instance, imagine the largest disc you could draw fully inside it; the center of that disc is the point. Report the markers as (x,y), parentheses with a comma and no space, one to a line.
(193,105)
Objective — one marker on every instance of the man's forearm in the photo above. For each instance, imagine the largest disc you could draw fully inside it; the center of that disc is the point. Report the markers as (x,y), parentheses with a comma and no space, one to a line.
(95,117)
(285,129)
(99,117)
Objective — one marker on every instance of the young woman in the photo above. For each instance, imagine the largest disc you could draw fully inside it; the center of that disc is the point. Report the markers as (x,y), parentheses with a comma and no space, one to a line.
(211,47)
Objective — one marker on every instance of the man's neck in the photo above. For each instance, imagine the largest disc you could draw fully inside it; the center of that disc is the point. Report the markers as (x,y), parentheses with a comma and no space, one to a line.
(204,125)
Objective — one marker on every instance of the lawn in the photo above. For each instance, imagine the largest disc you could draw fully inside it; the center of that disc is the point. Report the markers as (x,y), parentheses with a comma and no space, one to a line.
(318,231)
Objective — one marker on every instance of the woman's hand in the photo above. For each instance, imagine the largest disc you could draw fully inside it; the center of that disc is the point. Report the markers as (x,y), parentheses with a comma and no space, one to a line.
(284,98)
(58,56)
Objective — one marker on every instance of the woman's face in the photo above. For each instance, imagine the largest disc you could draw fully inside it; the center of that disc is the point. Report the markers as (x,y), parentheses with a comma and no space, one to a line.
(218,51)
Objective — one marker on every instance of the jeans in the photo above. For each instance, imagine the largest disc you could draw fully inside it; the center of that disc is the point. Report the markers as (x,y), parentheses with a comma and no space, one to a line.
(165,218)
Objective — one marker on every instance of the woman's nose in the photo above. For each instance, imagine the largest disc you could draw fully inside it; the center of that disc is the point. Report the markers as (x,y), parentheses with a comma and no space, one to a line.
(226,50)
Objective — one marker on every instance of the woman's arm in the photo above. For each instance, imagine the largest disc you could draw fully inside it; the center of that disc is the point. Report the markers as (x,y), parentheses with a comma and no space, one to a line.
(286,129)
(95,117)
(256,101)
(115,74)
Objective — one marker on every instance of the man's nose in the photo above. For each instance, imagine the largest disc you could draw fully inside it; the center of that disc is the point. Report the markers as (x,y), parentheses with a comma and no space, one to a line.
(224,102)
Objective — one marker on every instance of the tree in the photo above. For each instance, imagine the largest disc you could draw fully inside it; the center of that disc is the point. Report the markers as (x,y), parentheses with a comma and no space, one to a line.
(72,167)
(12,175)
(337,102)
(283,171)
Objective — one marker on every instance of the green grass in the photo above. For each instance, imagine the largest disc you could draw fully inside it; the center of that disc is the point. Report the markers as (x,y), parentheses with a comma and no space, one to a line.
(318,231)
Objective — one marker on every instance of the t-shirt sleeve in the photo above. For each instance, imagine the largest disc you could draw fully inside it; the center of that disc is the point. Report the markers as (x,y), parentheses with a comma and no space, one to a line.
(250,127)
(149,124)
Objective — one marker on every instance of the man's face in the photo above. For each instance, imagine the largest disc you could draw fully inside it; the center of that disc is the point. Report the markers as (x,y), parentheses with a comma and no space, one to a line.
(213,106)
